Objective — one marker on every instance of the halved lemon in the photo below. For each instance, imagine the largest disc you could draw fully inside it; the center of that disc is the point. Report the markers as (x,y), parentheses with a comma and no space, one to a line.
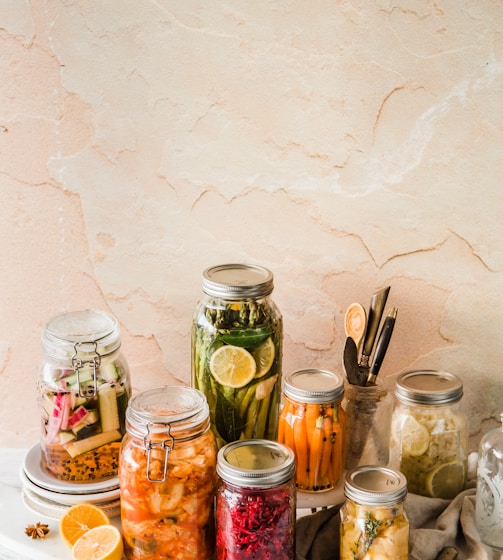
(78,519)
(415,437)
(100,543)
(232,366)
(446,481)
(264,357)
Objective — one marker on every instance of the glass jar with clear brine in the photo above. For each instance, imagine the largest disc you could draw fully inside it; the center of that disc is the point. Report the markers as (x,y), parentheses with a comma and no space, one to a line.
(429,436)
(237,337)
(83,392)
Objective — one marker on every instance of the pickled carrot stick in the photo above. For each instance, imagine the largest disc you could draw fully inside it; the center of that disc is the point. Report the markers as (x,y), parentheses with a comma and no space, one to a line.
(311,415)
(300,440)
(315,453)
(326,451)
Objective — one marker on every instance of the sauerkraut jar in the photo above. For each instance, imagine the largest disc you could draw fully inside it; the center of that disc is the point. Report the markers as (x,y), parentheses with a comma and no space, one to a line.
(429,436)
(255,501)
(83,389)
(312,424)
(237,337)
(374,524)
(167,476)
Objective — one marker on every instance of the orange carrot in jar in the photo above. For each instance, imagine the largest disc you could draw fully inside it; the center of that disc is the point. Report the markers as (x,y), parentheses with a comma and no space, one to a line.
(311,415)
(300,440)
(339,428)
(315,453)
(285,429)
(326,450)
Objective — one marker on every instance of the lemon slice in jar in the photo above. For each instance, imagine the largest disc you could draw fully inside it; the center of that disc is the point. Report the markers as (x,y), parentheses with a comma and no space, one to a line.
(264,357)
(446,481)
(232,366)
(415,437)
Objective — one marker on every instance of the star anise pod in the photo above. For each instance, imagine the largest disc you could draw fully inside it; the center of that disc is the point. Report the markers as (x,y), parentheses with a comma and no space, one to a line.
(38,531)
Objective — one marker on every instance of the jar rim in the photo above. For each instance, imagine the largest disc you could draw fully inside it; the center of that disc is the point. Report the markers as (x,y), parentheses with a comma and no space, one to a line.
(81,332)
(229,281)
(429,387)
(375,485)
(314,386)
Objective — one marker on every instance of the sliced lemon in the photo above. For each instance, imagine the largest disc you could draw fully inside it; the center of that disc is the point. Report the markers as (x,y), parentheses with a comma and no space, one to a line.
(78,519)
(446,481)
(100,543)
(232,366)
(264,357)
(415,437)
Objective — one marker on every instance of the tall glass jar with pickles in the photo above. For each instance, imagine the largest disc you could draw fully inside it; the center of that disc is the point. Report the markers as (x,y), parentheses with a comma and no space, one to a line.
(237,337)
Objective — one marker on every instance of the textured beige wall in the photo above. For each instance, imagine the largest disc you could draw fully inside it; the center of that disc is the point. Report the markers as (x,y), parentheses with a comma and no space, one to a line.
(345,145)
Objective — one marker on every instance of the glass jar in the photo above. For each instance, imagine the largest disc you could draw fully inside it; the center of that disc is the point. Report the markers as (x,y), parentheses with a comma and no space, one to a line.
(368,411)
(237,337)
(83,391)
(373,520)
(489,499)
(255,501)
(312,424)
(429,436)
(167,476)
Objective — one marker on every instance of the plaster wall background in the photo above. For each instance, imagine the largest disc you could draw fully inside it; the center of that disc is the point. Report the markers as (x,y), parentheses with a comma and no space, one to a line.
(345,145)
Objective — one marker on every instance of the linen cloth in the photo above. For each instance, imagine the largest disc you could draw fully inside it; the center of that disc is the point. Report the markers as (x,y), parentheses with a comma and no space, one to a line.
(434,524)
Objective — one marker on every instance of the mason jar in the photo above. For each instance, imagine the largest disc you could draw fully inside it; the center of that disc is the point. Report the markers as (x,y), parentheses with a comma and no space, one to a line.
(83,393)
(237,337)
(167,476)
(373,520)
(312,424)
(255,501)
(429,436)
(489,497)
(368,411)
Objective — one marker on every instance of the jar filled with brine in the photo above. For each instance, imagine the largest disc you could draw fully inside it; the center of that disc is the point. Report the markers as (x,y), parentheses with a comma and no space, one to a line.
(489,501)
(255,501)
(167,476)
(429,436)
(84,389)
(373,520)
(312,424)
(237,337)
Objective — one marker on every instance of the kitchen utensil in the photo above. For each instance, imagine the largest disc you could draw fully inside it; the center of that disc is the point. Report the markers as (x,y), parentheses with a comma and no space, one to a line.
(377,304)
(382,345)
(355,374)
(355,323)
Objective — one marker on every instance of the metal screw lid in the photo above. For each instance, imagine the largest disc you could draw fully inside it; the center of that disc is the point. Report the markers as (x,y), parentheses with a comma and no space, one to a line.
(87,332)
(230,281)
(256,463)
(374,485)
(314,386)
(429,387)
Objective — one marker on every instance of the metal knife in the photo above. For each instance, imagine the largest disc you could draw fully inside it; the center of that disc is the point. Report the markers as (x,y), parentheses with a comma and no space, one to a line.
(377,304)
(382,345)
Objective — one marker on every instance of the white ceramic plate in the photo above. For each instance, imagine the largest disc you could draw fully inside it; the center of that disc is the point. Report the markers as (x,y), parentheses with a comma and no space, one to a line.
(65,498)
(32,466)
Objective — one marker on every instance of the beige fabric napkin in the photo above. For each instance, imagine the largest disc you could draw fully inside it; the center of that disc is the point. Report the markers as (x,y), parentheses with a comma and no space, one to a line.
(434,525)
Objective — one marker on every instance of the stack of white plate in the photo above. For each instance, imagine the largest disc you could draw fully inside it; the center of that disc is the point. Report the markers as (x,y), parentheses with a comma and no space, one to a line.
(51,497)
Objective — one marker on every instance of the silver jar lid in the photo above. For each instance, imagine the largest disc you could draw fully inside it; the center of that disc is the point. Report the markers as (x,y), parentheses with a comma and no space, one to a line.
(374,485)
(81,332)
(429,387)
(256,463)
(230,281)
(314,386)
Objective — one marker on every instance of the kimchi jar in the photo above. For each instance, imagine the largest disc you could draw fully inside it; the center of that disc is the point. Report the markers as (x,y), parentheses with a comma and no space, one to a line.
(374,524)
(236,352)
(255,502)
(311,423)
(83,393)
(429,434)
(167,476)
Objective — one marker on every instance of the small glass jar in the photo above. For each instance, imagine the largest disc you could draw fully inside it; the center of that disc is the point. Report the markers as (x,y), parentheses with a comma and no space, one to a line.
(83,390)
(255,501)
(489,499)
(167,476)
(429,436)
(237,337)
(312,424)
(373,520)
(368,411)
